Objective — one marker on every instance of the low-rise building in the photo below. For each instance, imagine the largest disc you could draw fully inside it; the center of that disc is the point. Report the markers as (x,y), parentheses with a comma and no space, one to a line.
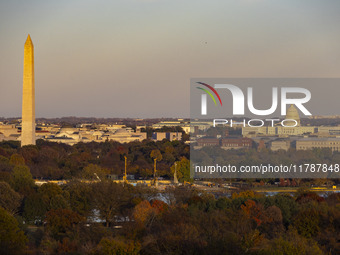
(185,125)
(236,143)
(279,145)
(125,135)
(171,136)
(278,131)
(311,143)
(208,141)
(8,130)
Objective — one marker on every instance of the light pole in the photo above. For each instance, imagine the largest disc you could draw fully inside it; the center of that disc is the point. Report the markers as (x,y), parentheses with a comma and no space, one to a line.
(154,171)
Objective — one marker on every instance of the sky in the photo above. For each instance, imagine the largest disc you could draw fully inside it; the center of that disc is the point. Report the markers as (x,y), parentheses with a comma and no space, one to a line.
(135,58)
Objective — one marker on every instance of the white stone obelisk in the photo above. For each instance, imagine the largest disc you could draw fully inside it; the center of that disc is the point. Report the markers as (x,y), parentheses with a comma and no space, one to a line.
(28,97)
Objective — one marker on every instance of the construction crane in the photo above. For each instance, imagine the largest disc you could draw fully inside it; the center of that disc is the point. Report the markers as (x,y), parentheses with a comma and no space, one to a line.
(124,177)
(155,183)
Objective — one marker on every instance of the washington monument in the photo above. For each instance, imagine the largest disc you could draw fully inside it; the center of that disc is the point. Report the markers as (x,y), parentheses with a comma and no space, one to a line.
(28,97)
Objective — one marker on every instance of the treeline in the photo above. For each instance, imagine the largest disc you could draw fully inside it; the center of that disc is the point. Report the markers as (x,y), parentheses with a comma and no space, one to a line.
(320,122)
(73,121)
(49,160)
(110,218)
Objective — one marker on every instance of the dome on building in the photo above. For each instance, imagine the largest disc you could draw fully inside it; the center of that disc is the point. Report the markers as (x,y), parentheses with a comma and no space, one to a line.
(68,130)
(292,114)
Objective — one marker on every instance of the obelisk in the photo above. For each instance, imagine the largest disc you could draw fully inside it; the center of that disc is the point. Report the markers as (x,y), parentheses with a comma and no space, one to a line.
(28,97)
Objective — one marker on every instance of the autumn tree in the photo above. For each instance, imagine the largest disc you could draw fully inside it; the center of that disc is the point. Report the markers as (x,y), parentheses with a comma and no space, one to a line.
(143,213)
(159,206)
(254,211)
(62,222)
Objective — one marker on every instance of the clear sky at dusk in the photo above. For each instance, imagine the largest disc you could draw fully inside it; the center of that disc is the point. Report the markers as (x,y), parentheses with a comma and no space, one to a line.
(135,58)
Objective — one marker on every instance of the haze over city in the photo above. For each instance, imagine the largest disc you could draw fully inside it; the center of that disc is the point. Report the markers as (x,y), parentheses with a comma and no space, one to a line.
(135,58)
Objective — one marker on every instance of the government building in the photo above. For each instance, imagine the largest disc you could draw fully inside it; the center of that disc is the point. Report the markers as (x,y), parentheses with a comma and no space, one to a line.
(298,130)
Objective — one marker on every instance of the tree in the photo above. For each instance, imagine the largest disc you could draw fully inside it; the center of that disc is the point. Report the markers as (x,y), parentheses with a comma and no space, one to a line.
(34,208)
(143,213)
(12,239)
(81,197)
(156,154)
(292,243)
(9,199)
(110,199)
(53,196)
(21,179)
(17,160)
(159,205)
(309,197)
(169,153)
(307,222)
(254,211)
(62,222)
(118,246)
(93,172)
(273,226)
(5,169)
(287,205)
(183,170)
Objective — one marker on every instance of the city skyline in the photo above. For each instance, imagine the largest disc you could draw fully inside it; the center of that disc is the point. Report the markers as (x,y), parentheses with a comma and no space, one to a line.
(135,58)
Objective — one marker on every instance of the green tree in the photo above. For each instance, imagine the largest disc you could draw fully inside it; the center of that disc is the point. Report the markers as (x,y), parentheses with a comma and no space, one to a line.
(287,205)
(156,154)
(183,170)
(53,196)
(17,160)
(34,208)
(307,222)
(12,239)
(93,172)
(169,152)
(118,246)
(292,243)
(81,197)
(5,169)
(21,179)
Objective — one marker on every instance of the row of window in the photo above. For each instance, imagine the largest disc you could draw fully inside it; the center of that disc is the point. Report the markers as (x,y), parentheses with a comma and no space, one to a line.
(308,148)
